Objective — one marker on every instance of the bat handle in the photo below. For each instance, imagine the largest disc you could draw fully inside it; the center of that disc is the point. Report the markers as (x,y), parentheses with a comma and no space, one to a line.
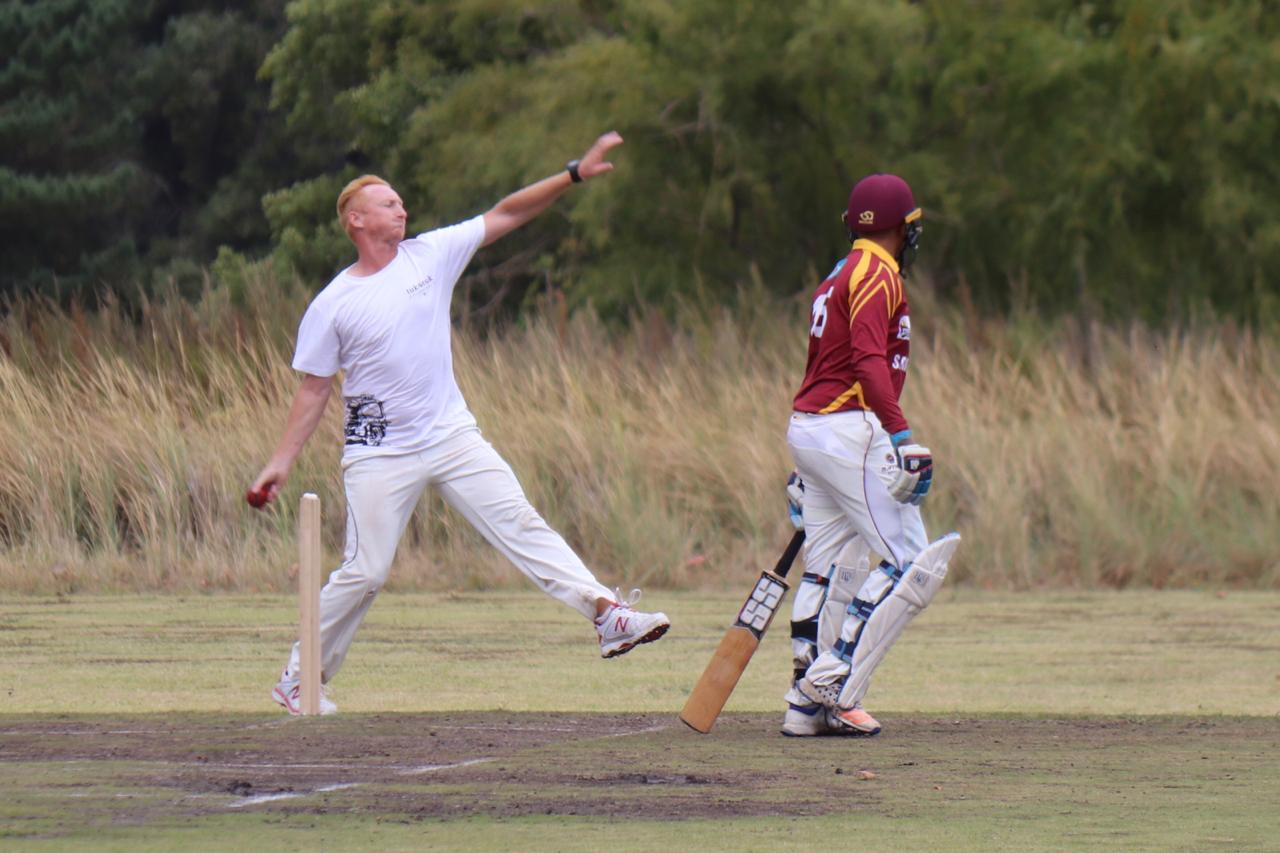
(789,556)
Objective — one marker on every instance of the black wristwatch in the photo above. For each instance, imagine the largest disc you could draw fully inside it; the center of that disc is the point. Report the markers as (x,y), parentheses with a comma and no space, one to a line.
(572,166)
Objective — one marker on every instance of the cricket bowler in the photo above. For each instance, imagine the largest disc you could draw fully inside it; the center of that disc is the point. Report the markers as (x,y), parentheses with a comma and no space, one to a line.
(384,322)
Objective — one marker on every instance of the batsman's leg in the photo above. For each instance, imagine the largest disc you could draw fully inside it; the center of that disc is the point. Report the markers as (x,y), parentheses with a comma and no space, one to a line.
(825,676)
(850,572)
(804,716)
(849,458)
(835,562)
(821,600)
(826,534)
(917,587)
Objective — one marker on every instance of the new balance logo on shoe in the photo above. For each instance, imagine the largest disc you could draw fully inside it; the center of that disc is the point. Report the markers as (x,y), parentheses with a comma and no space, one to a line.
(288,692)
(621,628)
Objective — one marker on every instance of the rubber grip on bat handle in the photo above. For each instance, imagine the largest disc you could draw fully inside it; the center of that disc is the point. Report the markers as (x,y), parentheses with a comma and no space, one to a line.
(789,555)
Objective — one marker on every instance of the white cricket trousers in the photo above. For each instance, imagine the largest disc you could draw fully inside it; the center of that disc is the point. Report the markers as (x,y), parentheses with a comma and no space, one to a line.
(382,492)
(847,463)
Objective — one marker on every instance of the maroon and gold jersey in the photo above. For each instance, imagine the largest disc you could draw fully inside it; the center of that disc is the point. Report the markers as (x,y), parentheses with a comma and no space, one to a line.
(859,339)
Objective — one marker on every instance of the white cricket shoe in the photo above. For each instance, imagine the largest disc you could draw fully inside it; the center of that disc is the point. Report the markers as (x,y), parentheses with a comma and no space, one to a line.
(621,628)
(288,694)
(805,721)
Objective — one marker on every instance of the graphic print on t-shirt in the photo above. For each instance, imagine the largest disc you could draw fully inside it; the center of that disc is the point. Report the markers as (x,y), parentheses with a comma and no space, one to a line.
(365,421)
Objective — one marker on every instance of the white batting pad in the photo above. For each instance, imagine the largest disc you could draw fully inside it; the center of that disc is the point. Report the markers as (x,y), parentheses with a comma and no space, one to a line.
(820,601)
(912,594)
(847,577)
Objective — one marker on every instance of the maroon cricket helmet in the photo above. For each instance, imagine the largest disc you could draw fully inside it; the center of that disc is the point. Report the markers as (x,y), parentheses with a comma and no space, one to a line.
(880,202)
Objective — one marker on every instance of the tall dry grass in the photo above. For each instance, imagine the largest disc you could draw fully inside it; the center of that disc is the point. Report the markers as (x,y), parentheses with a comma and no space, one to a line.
(1072,455)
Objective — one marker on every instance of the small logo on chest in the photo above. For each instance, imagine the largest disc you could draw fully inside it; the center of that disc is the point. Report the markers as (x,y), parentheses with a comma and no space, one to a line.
(419,287)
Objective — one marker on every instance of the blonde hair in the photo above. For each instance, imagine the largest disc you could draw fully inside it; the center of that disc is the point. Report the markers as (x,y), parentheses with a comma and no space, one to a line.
(349,192)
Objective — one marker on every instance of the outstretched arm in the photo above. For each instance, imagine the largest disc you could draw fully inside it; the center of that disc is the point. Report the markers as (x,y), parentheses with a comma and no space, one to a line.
(304,416)
(523,205)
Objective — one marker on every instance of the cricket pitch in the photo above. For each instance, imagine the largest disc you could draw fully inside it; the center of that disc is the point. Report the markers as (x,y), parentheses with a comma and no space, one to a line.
(1136,721)
(490,779)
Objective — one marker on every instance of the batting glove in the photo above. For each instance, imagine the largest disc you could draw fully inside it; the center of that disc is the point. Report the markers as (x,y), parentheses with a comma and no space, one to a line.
(795,500)
(915,470)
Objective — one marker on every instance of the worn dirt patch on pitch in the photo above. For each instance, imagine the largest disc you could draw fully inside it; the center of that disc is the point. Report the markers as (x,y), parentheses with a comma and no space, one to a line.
(435,766)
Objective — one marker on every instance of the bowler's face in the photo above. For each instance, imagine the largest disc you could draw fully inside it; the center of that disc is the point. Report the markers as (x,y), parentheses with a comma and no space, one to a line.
(381,213)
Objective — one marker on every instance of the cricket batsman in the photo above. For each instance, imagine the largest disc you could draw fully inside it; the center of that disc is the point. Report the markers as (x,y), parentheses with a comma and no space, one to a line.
(384,322)
(860,475)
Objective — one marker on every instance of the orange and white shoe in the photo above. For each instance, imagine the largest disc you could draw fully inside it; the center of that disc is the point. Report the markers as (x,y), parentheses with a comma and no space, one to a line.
(852,721)
(621,628)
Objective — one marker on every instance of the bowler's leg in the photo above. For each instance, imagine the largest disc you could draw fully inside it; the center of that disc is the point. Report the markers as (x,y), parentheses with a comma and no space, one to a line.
(478,483)
(381,492)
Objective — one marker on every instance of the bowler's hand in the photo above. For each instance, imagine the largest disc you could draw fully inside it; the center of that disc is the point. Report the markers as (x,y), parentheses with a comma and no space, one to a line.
(266,488)
(593,162)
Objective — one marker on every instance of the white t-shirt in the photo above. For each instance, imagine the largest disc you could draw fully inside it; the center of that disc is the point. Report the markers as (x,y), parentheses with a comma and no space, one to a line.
(389,333)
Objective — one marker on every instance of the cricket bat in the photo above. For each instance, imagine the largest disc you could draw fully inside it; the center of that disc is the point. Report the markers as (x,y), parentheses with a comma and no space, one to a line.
(739,644)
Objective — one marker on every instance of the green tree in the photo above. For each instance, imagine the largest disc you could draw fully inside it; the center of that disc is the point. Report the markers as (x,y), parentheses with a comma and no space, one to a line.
(1110,156)
(1065,154)
(137,140)
(1113,158)
(70,185)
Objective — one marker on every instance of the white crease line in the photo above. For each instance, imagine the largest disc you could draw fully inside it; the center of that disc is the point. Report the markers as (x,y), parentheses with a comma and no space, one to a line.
(281,723)
(268,766)
(292,795)
(213,765)
(289,795)
(264,798)
(403,771)
(74,733)
(658,728)
(432,768)
(574,729)
(398,768)
(507,728)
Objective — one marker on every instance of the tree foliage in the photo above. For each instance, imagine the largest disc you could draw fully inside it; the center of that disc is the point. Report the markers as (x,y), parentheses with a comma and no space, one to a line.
(67,176)
(136,139)
(1108,157)
(1111,156)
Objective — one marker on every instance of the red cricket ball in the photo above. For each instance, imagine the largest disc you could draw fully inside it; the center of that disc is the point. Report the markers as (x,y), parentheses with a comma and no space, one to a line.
(257,499)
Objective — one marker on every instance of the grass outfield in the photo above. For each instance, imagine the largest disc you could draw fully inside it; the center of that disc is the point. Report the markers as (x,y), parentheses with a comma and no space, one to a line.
(1137,720)
(1108,653)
